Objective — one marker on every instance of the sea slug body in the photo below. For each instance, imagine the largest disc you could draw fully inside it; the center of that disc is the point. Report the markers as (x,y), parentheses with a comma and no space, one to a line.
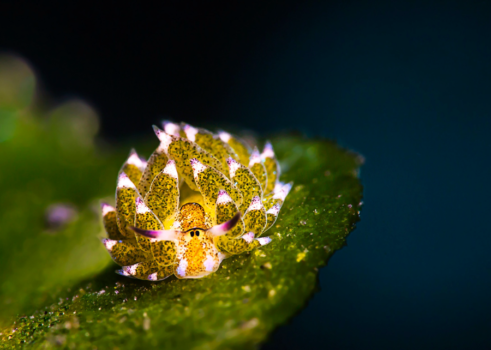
(199,199)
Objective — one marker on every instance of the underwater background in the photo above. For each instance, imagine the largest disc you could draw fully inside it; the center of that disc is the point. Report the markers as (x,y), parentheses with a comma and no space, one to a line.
(407,84)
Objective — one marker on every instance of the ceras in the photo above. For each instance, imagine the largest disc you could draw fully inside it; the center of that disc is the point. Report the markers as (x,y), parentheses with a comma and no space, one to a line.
(180,212)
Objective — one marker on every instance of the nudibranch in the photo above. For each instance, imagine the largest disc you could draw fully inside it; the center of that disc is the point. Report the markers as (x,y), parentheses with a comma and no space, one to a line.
(179,213)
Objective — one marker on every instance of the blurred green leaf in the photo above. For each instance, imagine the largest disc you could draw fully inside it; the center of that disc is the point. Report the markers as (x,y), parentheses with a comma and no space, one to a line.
(17,83)
(47,158)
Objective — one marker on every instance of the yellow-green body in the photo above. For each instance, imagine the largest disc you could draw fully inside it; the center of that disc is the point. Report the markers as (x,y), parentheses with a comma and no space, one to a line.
(173,213)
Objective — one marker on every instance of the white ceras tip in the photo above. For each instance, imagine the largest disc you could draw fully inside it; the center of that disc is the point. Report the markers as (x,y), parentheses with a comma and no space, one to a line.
(267,151)
(287,187)
(248,237)
(233,166)
(209,263)
(157,130)
(176,225)
(255,157)
(133,159)
(141,208)
(223,197)
(197,166)
(165,139)
(122,272)
(256,204)
(109,243)
(277,186)
(106,209)
(171,128)
(131,270)
(124,181)
(274,210)
(224,136)
(152,277)
(190,132)
(181,269)
(264,240)
(283,192)
(170,169)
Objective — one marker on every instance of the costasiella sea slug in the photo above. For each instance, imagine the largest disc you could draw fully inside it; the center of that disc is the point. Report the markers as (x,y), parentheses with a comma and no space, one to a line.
(180,212)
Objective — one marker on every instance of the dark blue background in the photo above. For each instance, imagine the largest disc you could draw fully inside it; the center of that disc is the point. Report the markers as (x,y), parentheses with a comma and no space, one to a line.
(406,84)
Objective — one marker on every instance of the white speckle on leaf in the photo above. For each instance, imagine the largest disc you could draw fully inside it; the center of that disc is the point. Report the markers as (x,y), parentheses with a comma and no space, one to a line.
(146,322)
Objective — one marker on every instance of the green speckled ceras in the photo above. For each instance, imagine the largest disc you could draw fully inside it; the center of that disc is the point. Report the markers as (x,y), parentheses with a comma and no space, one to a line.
(179,212)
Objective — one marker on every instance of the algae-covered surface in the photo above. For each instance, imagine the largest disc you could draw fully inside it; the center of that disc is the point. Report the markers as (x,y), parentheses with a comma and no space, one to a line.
(57,284)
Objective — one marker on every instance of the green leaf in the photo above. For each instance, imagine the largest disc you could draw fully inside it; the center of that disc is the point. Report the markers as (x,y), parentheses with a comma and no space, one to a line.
(61,284)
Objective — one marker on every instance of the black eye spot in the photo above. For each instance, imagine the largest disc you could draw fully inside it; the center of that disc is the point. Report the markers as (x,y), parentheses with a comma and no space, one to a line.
(197,233)
(192,233)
